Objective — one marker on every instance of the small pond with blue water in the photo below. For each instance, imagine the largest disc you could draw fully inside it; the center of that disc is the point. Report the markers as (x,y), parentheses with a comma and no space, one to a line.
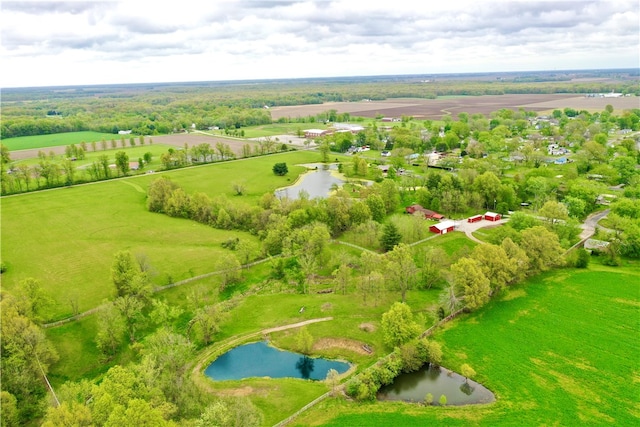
(414,386)
(261,360)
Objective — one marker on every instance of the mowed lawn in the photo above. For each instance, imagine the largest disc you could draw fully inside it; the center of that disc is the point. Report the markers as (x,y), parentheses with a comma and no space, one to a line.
(66,238)
(560,350)
(57,139)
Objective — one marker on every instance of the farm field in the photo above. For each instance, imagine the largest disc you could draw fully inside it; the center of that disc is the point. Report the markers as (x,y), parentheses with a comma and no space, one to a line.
(56,143)
(435,109)
(67,237)
(57,139)
(558,350)
(134,154)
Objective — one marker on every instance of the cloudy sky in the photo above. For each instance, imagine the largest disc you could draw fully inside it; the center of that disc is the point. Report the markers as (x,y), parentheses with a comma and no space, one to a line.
(72,43)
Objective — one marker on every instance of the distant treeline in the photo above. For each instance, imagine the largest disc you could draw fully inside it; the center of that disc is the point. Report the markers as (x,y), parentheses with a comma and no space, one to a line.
(153,109)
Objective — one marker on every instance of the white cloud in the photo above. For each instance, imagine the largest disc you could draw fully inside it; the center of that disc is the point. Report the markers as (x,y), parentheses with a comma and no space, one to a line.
(59,43)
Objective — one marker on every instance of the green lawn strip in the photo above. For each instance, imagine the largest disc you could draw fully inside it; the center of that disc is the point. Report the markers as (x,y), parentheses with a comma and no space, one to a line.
(453,243)
(486,234)
(57,139)
(274,129)
(558,350)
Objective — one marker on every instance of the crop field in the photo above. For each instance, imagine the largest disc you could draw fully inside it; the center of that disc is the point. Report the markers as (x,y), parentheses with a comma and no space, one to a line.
(558,350)
(435,109)
(67,237)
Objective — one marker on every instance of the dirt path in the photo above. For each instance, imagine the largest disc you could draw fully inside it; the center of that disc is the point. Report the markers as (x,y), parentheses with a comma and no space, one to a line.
(294,325)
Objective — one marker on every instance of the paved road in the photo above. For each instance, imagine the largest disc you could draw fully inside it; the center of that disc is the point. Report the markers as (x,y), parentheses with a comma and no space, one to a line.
(469,227)
(591,223)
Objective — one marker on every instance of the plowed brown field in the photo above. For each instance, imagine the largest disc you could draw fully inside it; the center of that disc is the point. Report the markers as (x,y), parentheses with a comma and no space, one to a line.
(434,109)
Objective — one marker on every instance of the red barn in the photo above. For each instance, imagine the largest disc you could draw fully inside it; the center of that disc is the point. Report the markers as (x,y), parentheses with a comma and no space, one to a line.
(428,214)
(443,227)
(475,218)
(492,216)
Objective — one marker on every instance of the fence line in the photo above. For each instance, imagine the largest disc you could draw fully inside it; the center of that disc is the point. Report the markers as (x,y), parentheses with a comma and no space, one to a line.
(158,289)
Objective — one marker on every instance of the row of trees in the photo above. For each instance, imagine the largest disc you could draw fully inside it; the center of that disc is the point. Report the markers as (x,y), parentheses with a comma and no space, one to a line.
(52,171)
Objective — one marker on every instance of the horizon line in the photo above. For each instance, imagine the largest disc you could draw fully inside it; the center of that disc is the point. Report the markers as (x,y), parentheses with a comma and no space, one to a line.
(281,79)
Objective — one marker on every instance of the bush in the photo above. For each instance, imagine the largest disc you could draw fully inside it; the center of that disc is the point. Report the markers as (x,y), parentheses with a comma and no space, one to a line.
(582,258)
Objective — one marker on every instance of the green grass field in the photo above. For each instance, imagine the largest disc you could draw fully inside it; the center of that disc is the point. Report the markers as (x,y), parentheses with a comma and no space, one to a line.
(274,129)
(67,237)
(54,140)
(558,350)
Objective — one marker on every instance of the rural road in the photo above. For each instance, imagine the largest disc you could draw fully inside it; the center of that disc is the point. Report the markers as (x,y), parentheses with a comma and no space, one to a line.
(589,225)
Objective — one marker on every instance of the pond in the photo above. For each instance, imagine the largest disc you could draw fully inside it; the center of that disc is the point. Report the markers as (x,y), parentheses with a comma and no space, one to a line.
(414,386)
(261,360)
(316,183)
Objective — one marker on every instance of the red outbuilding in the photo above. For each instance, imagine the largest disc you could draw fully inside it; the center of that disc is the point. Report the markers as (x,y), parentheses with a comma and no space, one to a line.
(492,216)
(428,214)
(475,218)
(443,227)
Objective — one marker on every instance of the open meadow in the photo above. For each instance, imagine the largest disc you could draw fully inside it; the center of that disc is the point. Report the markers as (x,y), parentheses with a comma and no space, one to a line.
(57,140)
(560,349)
(67,237)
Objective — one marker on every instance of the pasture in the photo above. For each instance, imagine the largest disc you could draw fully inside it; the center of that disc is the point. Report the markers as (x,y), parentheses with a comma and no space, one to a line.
(560,349)
(59,139)
(66,238)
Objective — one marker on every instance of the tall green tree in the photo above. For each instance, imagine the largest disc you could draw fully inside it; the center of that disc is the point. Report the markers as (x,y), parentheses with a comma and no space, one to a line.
(122,162)
(495,265)
(488,185)
(376,207)
(398,326)
(400,269)
(542,248)
(468,277)
(390,236)
(554,212)
(25,357)
(128,278)
(111,328)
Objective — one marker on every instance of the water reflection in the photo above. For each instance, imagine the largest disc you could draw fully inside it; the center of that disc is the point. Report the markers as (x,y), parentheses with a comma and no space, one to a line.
(261,360)
(466,389)
(305,366)
(414,387)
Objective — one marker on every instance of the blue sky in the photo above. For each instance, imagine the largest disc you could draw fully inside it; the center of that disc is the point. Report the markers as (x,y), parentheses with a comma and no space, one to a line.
(68,43)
